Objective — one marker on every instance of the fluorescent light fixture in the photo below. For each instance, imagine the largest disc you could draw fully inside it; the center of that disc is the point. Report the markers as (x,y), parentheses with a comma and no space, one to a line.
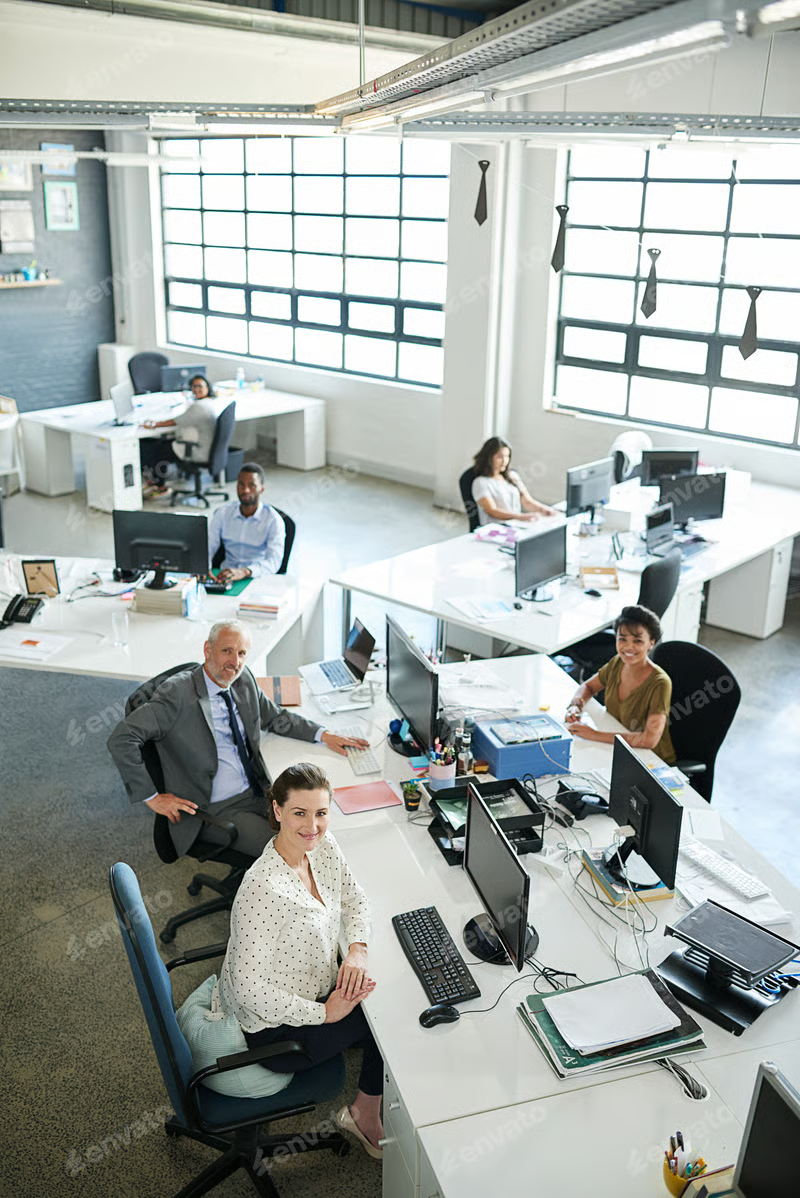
(705,37)
(772,18)
(388,115)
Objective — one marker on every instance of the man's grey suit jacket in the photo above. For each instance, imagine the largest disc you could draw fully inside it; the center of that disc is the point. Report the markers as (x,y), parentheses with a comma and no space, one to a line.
(177,720)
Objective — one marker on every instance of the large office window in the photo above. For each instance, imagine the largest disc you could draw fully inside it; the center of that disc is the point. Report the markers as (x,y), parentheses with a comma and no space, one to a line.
(722,224)
(322,251)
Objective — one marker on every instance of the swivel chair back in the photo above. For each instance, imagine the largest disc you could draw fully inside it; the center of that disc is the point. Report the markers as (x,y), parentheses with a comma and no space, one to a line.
(659,582)
(705,696)
(230,1125)
(291,529)
(470,506)
(217,459)
(145,371)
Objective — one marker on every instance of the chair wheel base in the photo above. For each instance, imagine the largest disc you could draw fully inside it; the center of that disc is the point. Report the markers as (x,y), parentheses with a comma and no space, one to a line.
(344,1149)
(193,889)
(167,936)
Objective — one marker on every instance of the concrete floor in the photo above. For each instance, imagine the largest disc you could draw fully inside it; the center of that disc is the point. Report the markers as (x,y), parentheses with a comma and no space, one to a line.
(76,1075)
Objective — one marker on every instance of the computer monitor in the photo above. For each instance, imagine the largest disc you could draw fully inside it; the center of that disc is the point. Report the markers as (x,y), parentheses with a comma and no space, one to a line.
(122,399)
(659,529)
(500,934)
(412,687)
(540,559)
(176,378)
(639,800)
(694,496)
(656,463)
(767,1163)
(589,486)
(160,541)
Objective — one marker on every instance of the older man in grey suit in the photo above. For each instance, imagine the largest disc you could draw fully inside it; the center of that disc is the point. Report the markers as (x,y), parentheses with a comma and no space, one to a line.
(205,725)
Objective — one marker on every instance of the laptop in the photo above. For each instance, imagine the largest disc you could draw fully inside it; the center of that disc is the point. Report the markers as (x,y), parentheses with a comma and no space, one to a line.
(767,1163)
(342,673)
(176,378)
(660,539)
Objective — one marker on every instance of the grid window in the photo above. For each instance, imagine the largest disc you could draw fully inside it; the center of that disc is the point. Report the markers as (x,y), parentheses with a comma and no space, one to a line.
(721,224)
(317,251)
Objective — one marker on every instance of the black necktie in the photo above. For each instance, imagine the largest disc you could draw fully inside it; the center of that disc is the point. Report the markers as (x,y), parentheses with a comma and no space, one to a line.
(649,298)
(749,342)
(557,261)
(482,206)
(241,747)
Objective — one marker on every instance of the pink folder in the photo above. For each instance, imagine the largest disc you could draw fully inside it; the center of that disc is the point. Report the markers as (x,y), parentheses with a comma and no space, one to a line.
(367,796)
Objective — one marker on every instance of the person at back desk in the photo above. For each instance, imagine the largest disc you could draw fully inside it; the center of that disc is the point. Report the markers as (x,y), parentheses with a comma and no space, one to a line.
(498,490)
(195,426)
(252,532)
(638,692)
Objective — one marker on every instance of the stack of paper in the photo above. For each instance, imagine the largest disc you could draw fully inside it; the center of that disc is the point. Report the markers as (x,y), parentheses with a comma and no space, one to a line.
(603,1048)
(477,608)
(20,643)
(617,1012)
(263,607)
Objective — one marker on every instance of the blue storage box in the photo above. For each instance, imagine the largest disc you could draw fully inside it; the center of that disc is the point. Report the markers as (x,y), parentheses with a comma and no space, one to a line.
(536,744)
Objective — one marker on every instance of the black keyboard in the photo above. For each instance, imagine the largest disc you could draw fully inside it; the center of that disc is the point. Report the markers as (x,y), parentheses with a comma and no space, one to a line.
(434,957)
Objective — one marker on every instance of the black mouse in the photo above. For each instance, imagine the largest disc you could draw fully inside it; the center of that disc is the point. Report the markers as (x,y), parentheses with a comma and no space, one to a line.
(595,594)
(440,1013)
(517,605)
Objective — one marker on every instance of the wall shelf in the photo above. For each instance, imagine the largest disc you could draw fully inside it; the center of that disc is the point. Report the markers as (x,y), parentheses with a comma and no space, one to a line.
(32,283)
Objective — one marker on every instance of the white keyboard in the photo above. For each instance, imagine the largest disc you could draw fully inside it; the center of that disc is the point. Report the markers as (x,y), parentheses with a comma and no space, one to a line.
(723,870)
(362,761)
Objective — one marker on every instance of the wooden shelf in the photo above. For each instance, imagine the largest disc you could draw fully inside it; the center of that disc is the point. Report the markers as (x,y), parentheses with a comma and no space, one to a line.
(32,283)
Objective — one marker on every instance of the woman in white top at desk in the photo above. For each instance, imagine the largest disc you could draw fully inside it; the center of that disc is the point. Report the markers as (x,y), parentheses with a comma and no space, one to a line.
(280,977)
(198,421)
(498,490)
(638,692)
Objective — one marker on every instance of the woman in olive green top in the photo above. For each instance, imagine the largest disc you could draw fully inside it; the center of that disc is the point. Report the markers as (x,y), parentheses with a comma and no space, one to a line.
(638,692)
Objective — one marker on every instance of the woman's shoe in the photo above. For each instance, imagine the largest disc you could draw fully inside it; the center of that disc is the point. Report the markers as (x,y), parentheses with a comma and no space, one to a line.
(347,1123)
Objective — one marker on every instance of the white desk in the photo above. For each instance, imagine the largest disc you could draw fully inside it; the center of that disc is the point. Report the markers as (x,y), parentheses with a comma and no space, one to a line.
(52,437)
(747,567)
(156,642)
(481,1084)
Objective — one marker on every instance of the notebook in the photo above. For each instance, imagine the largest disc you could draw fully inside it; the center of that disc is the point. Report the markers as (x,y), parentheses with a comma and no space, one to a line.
(282,689)
(345,672)
(369,796)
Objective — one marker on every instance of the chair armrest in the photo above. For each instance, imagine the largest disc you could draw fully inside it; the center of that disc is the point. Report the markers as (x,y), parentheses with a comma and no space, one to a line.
(253,1056)
(192,955)
(224,825)
(690,767)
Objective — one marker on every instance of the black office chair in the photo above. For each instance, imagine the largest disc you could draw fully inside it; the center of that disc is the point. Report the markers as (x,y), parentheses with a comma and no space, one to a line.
(231,1125)
(291,529)
(145,371)
(201,850)
(217,458)
(705,696)
(470,506)
(657,587)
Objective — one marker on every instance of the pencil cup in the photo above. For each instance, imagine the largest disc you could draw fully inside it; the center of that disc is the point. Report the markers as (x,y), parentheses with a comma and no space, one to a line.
(442,773)
(674,1184)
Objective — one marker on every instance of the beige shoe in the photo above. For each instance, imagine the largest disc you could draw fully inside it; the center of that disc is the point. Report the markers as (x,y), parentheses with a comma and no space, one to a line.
(347,1123)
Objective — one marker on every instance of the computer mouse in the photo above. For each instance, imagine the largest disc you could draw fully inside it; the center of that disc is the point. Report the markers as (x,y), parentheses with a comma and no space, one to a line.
(595,594)
(439,1013)
(517,605)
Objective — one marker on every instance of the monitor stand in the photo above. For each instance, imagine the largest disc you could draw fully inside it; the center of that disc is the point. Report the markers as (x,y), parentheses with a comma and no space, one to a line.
(159,581)
(707,988)
(484,943)
(406,748)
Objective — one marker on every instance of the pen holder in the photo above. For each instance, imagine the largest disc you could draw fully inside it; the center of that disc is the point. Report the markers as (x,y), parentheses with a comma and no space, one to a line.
(673,1182)
(442,773)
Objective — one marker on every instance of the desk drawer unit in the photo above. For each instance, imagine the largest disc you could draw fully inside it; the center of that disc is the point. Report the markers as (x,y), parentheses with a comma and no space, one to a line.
(751,599)
(400,1147)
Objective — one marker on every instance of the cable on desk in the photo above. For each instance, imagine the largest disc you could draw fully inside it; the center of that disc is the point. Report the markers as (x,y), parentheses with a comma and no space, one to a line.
(547,973)
(692,1086)
(485,1010)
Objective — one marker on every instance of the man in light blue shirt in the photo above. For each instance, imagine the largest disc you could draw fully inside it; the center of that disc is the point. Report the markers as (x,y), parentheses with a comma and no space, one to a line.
(252,532)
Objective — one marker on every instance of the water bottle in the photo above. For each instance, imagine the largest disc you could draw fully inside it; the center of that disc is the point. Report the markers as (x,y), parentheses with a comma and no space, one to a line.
(465,751)
(240,377)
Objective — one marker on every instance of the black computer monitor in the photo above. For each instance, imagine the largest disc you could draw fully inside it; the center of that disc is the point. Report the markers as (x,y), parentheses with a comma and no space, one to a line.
(657,463)
(412,687)
(500,934)
(694,496)
(160,541)
(767,1163)
(176,378)
(637,799)
(589,486)
(540,559)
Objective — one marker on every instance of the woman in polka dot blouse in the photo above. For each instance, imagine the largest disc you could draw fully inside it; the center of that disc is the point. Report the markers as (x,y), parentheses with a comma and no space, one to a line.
(281,978)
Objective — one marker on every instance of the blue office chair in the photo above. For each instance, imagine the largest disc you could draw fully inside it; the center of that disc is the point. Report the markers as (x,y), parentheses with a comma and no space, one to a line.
(228,1124)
